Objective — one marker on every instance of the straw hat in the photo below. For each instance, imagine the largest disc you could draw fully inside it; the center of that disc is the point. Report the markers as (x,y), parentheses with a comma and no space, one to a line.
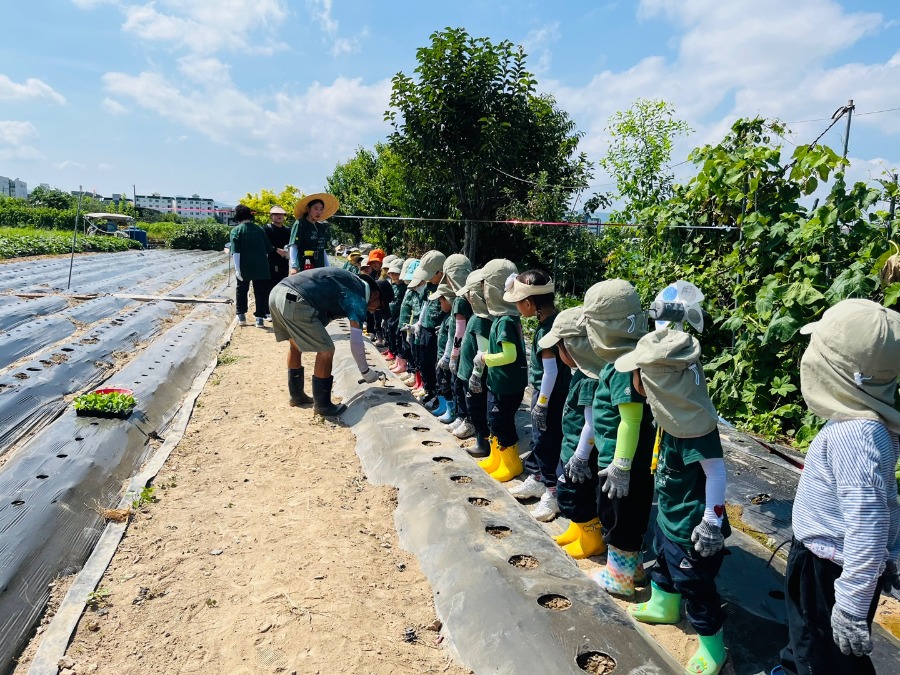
(330,201)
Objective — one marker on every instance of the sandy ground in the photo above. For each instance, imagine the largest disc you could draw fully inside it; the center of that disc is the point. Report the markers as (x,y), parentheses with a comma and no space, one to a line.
(266,552)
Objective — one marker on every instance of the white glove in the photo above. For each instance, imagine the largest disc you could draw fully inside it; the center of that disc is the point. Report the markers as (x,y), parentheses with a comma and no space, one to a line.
(372,375)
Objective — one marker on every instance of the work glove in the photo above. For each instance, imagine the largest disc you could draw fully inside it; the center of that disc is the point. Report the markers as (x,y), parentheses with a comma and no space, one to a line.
(578,470)
(618,480)
(417,328)
(475,384)
(444,363)
(539,417)
(707,538)
(851,634)
(890,579)
(454,365)
(372,375)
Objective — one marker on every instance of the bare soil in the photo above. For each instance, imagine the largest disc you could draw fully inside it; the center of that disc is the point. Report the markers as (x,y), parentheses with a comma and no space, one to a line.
(267,551)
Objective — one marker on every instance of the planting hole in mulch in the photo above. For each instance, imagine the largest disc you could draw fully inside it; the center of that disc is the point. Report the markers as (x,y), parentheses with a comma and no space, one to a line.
(498,531)
(596,663)
(462,480)
(62,455)
(411,416)
(20,376)
(555,601)
(403,404)
(479,501)
(430,444)
(42,476)
(442,460)
(394,393)
(68,349)
(524,562)
(18,502)
(776,595)
(33,369)
(421,429)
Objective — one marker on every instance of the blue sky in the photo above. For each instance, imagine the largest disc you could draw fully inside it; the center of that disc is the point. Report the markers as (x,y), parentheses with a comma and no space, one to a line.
(222,97)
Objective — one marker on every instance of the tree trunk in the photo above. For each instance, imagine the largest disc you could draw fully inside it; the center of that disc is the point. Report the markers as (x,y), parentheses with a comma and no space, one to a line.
(470,244)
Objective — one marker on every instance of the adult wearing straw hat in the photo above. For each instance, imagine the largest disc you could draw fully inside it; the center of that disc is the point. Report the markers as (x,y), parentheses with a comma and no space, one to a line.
(309,235)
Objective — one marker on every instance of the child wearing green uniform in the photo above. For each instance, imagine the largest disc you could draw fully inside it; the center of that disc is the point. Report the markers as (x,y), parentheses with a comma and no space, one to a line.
(507,374)
(533,293)
(457,268)
(691,525)
(393,321)
(409,312)
(443,386)
(577,482)
(430,272)
(475,339)
(623,428)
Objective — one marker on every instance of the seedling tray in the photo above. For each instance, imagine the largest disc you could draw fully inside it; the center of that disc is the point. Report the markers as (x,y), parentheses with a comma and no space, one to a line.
(108,414)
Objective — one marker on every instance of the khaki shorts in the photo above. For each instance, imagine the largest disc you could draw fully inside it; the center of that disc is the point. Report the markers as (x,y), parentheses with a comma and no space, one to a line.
(293,319)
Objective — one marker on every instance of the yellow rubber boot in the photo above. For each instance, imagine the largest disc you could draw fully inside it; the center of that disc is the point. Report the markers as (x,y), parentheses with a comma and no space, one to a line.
(588,542)
(492,461)
(570,535)
(510,464)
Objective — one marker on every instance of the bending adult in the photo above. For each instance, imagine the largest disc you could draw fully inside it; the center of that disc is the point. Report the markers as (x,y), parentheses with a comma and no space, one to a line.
(309,235)
(302,306)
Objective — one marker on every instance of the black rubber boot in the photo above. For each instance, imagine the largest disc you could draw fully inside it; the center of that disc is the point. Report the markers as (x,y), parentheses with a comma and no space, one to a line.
(322,405)
(295,387)
(482,447)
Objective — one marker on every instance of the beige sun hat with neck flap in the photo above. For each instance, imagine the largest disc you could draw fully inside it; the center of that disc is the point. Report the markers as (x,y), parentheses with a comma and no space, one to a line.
(519,291)
(496,272)
(613,317)
(673,378)
(566,327)
(443,290)
(430,264)
(474,292)
(457,268)
(851,366)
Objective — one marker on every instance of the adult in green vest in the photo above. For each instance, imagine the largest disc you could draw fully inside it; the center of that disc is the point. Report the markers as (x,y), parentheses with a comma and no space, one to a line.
(250,249)
(309,235)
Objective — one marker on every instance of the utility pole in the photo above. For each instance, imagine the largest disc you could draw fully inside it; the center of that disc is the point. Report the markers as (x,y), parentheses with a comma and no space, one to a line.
(849,110)
(891,214)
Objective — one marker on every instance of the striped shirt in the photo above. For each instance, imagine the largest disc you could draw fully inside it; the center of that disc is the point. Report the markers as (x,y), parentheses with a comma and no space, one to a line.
(846,508)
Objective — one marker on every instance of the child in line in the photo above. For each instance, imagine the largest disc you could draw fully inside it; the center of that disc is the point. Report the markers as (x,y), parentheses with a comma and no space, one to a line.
(691,525)
(577,482)
(393,322)
(475,339)
(457,268)
(443,387)
(533,293)
(623,429)
(407,368)
(430,271)
(507,373)
(846,516)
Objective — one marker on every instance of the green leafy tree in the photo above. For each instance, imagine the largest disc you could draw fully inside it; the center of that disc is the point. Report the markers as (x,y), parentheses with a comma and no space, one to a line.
(640,148)
(265,199)
(471,132)
(51,197)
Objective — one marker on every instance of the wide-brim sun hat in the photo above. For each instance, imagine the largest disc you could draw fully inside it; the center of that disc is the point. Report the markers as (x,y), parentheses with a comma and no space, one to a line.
(457,268)
(613,317)
(431,263)
(565,325)
(330,201)
(277,209)
(519,291)
(376,255)
(496,273)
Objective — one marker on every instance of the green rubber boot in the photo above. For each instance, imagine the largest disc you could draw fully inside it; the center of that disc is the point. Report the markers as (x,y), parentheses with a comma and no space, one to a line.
(662,607)
(709,657)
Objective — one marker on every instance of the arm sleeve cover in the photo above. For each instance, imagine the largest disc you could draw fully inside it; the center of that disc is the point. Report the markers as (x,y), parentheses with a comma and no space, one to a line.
(295,256)
(448,348)
(628,433)
(504,358)
(458,335)
(237,263)
(482,343)
(715,489)
(358,349)
(548,381)
(586,441)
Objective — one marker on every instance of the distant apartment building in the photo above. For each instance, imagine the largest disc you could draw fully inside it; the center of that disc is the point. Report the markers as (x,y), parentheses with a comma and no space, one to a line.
(116,199)
(194,207)
(154,201)
(13,187)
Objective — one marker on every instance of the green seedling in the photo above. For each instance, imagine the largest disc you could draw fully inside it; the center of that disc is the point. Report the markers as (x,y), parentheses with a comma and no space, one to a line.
(145,496)
(98,598)
(106,404)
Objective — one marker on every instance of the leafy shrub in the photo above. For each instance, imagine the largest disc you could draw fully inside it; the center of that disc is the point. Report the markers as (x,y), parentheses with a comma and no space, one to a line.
(199,236)
(19,242)
(159,233)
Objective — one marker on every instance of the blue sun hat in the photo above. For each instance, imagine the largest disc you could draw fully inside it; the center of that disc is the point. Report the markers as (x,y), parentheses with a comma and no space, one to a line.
(413,266)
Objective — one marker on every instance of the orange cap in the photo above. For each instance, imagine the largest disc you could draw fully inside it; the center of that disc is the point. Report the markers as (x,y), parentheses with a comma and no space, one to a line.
(376,256)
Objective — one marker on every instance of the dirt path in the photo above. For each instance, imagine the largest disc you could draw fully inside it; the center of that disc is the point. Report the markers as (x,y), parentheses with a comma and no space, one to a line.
(266,552)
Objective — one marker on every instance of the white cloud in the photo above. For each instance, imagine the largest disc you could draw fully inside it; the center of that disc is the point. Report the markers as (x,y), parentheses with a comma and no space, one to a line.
(32,89)
(325,121)
(68,164)
(113,107)
(15,138)
(537,45)
(103,166)
(729,63)
(208,26)
(320,11)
